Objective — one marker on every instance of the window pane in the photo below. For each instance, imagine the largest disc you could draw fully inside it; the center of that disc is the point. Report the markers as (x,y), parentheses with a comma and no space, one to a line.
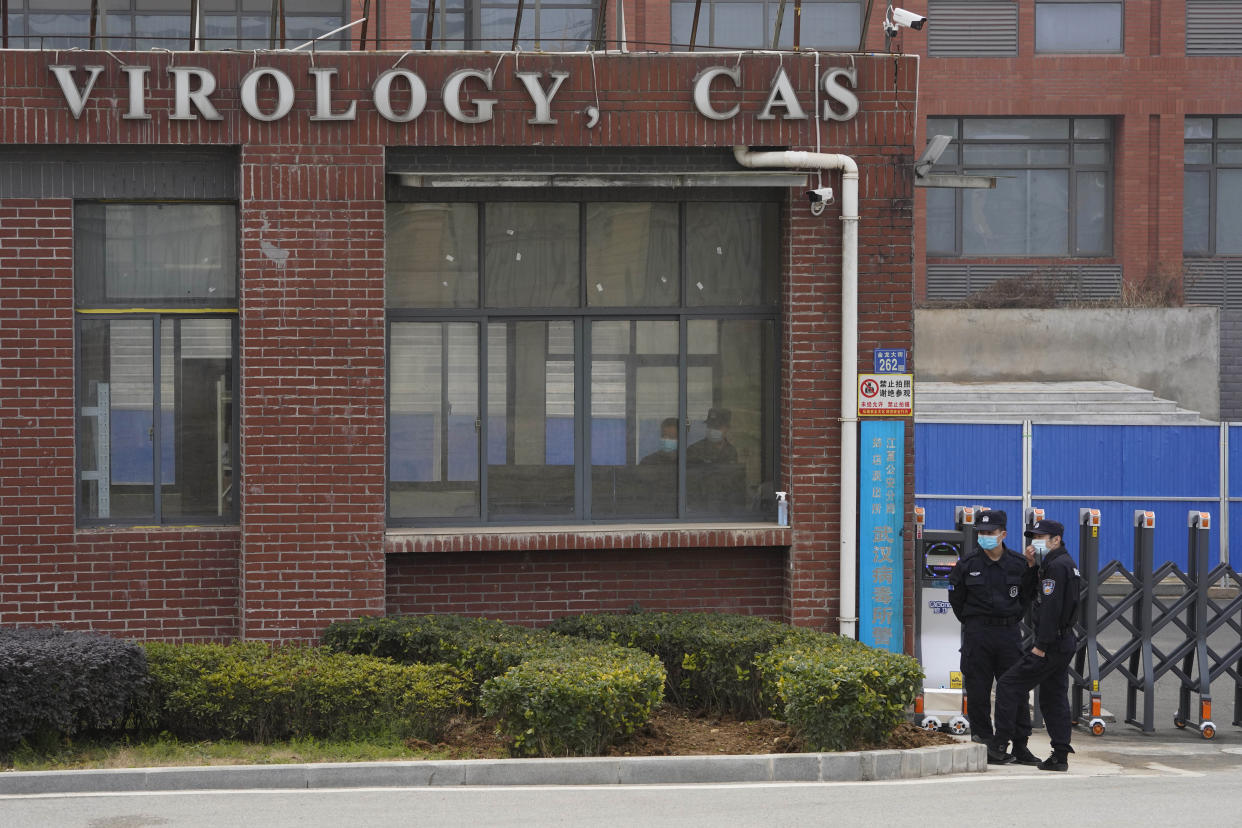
(534,407)
(1091,214)
(1016,128)
(165,31)
(1197,154)
(737,24)
(116,428)
(156,252)
(1229,127)
(58,31)
(432,258)
(1009,155)
(1078,27)
(1090,154)
(824,25)
(942,126)
(731,254)
(433,410)
(565,29)
(941,220)
(1027,214)
(448,29)
(532,255)
(196,418)
(1087,128)
(728,397)
(1198,127)
(1228,212)
(634,424)
(1229,153)
(631,255)
(1196,225)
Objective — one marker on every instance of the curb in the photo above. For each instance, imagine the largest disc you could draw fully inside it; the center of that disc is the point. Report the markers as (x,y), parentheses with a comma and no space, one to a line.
(854,766)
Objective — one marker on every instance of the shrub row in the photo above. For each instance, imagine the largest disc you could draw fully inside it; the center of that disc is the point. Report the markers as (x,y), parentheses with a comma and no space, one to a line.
(259,693)
(58,682)
(552,695)
(834,692)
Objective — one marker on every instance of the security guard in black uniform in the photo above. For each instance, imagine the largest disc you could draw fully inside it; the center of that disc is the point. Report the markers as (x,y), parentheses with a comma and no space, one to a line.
(1056,580)
(987,595)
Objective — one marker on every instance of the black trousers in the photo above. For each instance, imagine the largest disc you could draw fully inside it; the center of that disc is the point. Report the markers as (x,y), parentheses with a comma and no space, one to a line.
(987,652)
(1050,673)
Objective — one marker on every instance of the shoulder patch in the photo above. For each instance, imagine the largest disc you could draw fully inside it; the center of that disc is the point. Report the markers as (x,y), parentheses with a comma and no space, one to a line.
(1013,592)
(1077,574)
(975,574)
(1049,586)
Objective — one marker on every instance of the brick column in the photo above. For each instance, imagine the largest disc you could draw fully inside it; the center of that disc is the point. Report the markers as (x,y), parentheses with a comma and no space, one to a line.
(312,315)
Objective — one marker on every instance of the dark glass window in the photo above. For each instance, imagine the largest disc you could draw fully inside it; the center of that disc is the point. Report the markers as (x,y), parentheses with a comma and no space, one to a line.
(155,292)
(549,25)
(581,361)
(1212,187)
(751,24)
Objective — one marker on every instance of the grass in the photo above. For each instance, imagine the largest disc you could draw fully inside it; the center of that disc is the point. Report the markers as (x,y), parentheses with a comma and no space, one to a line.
(167,751)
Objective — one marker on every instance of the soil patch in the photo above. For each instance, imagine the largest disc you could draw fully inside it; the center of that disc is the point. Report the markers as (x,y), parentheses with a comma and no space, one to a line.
(676,732)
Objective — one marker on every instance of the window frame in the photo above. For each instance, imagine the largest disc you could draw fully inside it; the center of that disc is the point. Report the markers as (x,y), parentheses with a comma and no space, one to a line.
(157,312)
(705,38)
(1121,28)
(1211,168)
(472,17)
(583,316)
(1071,166)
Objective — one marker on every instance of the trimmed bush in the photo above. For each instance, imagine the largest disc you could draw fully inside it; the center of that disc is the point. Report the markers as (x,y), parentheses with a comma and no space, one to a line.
(57,682)
(574,699)
(255,692)
(709,657)
(479,647)
(839,696)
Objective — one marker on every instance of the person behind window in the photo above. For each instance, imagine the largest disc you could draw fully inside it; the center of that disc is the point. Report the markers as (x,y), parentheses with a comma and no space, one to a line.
(667,453)
(715,447)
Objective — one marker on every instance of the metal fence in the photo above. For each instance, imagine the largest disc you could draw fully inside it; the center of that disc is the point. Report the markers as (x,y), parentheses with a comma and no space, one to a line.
(1063,468)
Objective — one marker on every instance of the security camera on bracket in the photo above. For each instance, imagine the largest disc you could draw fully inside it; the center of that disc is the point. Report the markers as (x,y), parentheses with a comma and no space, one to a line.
(897,19)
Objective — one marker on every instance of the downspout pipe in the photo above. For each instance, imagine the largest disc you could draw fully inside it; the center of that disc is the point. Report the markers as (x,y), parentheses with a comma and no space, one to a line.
(848,511)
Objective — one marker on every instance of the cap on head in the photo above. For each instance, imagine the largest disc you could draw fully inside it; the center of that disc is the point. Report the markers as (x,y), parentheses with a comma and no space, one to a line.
(991,520)
(1045,527)
(718,417)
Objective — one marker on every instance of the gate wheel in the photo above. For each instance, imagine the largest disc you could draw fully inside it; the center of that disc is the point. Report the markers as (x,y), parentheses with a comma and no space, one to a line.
(931,723)
(1207,730)
(1097,727)
(1179,722)
(959,726)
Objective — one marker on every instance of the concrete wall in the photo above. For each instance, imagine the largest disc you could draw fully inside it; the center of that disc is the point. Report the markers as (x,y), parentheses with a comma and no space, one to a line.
(1174,352)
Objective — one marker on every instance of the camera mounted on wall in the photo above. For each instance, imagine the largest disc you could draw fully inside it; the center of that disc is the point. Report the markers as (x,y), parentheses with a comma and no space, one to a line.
(897,19)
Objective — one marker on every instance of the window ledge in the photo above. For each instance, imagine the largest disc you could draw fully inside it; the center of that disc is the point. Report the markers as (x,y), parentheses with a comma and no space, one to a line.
(612,536)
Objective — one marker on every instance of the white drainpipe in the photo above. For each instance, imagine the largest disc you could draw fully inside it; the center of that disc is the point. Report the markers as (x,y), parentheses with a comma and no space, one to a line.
(849,355)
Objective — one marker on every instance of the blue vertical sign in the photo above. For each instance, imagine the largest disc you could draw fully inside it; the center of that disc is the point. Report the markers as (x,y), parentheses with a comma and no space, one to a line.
(880,494)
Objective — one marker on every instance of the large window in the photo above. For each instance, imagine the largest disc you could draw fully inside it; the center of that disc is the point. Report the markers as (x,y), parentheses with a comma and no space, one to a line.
(165,24)
(1079,26)
(751,24)
(1053,188)
(156,298)
(550,25)
(1212,187)
(575,361)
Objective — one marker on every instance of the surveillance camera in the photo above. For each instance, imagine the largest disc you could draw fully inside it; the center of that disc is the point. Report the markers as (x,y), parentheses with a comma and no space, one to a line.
(823,195)
(900,17)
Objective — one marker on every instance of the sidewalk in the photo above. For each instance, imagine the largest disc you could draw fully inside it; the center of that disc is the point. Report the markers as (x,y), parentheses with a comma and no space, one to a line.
(964,757)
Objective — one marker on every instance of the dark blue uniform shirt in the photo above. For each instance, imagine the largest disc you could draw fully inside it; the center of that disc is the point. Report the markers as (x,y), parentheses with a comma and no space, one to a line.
(979,586)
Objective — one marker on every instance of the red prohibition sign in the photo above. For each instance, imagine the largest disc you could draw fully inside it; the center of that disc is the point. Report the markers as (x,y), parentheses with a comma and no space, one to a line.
(870,388)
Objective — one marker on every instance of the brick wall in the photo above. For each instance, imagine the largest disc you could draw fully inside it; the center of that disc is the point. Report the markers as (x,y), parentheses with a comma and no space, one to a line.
(311,547)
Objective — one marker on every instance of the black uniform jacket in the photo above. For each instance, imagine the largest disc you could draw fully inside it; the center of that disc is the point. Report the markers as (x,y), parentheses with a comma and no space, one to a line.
(1056,584)
(980,587)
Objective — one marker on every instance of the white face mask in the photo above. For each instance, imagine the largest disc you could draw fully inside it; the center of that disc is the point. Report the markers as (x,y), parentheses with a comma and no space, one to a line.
(1041,549)
(715,435)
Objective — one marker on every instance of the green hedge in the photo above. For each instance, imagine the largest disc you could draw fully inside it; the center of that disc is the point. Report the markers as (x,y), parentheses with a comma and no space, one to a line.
(552,695)
(255,692)
(479,647)
(709,657)
(575,699)
(839,697)
(57,683)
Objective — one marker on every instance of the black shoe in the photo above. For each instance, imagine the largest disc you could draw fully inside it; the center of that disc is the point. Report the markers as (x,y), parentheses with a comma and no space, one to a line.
(1023,756)
(1056,762)
(998,756)
(983,740)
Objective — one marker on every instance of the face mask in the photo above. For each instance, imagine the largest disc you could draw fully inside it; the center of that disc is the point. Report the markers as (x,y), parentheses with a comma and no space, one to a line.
(1041,550)
(989,542)
(668,444)
(715,435)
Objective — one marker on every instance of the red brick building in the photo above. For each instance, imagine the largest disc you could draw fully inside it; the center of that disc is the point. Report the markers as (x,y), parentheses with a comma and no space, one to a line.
(291,337)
